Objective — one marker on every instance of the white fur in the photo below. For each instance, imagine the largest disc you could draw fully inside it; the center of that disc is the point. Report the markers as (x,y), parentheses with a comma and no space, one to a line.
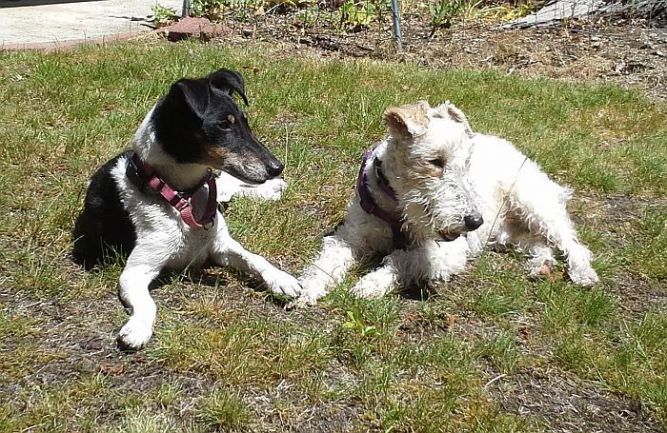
(484,175)
(164,241)
(228,187)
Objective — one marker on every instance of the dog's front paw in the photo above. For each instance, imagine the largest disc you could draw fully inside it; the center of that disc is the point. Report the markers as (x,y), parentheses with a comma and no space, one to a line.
(366,292)
(283,283)
(374,285)
(585,277)
(301,302)
(271,190)
(539,269)
(308,297)
(135,334)
(369,290)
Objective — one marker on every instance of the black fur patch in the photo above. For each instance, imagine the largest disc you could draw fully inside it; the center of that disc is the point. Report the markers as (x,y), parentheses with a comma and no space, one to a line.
(199,115)
(104,226)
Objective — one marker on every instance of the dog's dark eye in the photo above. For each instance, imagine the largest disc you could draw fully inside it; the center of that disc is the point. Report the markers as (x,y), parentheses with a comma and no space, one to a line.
(438,162)
(224,124)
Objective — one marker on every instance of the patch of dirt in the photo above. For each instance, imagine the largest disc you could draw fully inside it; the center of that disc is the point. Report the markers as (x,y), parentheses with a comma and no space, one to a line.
(76,339)
(630,53)
(620,214)
(568,405)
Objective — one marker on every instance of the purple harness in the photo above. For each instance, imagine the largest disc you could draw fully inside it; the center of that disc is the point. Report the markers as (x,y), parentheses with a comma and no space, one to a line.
(369,205)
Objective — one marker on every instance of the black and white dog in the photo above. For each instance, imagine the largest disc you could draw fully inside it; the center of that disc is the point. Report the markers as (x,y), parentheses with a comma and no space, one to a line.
(157,202)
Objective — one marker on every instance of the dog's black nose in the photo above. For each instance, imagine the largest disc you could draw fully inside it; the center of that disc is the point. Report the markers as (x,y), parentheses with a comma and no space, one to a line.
(473,222)
(274,168)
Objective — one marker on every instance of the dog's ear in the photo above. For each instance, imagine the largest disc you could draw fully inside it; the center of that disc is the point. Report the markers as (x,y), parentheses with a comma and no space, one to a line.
(453,112)
(229,81)
(188,96)
(407,120)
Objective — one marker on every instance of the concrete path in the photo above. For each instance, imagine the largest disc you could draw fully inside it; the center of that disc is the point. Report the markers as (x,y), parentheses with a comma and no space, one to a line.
(53,23)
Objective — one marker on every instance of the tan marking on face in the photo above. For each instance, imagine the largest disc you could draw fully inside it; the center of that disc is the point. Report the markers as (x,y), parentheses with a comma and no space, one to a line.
(217,156)
(407,120)
(414,178)
(231,119)
(433,170)
(425,168)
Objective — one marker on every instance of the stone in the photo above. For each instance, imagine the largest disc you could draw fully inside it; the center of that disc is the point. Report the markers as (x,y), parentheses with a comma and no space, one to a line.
(191,27)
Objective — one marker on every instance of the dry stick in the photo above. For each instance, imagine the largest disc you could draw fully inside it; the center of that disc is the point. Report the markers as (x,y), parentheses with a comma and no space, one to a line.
(495,379)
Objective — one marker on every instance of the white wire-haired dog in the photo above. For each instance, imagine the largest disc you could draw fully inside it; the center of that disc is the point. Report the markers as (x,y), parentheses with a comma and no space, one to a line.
(431,181)
(158,201)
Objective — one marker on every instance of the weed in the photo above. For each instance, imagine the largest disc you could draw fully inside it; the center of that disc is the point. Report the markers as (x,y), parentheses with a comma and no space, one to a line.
(356,15)
(357,324)
(163,16)
(223,410)
(443,12)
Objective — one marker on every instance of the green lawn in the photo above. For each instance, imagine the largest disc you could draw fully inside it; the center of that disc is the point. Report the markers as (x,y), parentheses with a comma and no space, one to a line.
(490,352)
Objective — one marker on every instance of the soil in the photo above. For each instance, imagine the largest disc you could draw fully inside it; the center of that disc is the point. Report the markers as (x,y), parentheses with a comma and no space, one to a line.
(628,52)
(567,405)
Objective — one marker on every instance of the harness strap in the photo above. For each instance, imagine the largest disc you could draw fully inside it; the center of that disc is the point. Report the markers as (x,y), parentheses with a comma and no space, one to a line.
(383,183)
(369,205)
(143,175)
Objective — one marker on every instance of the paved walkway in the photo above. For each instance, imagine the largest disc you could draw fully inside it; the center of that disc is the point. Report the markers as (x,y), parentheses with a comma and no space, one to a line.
(53,23)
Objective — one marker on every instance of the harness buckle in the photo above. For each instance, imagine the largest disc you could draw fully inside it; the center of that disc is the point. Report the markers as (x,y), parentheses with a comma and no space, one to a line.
(179,202)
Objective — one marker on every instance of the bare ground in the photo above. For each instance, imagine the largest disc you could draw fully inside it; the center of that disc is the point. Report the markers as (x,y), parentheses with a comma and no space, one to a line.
(568,405)
(628,52)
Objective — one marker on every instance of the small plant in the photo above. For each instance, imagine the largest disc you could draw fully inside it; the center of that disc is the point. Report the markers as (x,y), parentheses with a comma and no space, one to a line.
(211,9)
(508,12)
(287,3)
(223,410)
(357,323)
(163,16)
(359,14)
(443,12)
(308,16)
(242,10)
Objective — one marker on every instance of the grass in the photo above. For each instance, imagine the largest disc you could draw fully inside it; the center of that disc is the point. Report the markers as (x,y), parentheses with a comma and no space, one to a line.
(224,411)
(228,358)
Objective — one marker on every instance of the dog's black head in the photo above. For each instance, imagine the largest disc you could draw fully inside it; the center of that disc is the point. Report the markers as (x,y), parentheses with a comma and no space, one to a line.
(198,121)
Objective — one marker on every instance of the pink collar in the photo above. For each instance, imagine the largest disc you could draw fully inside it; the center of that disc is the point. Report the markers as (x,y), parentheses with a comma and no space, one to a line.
(143,175)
